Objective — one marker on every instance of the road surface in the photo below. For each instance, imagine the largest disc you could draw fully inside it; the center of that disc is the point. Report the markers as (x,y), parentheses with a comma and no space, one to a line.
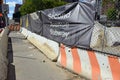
(26,62)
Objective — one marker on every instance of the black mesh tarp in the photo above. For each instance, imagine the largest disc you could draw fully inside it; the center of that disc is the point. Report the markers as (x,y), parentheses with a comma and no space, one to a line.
(23,19)
(34,23)
(70,24)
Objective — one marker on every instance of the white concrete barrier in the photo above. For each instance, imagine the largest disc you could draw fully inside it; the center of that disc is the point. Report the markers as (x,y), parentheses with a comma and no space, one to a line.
(51,45)
(48,47)
(90,64)
(3,54)
(25,32)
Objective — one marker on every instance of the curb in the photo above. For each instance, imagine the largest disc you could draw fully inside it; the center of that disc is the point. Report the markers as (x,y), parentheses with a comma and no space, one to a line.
(3,54)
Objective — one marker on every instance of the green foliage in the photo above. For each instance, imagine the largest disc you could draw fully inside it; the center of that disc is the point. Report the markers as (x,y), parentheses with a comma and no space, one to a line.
(34,5)
(111,14)
(105,2)
(28,7)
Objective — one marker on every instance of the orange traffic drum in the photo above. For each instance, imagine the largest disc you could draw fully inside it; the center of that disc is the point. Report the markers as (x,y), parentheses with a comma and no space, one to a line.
(15,27)
(12,28)
(18,27)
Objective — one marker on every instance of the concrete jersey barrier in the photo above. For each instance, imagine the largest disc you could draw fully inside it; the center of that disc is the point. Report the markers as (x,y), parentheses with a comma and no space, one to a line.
(48,47)
(90,64)
(25,32)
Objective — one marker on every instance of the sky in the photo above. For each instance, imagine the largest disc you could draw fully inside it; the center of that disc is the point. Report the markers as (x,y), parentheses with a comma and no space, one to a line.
(12,6)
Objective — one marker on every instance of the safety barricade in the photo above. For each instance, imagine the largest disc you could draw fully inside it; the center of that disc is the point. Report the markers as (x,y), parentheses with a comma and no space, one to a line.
(14,27)
(48,47)
(25,32)
(90,64)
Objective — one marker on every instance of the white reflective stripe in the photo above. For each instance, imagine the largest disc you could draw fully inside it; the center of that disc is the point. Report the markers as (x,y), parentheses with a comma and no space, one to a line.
(104,66)
(85,63)
(69,58)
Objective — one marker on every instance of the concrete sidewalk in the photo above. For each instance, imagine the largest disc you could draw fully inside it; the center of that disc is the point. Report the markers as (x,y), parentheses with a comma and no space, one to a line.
(27,63)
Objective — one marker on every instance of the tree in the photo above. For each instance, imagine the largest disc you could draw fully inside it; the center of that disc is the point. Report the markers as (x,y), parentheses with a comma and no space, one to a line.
(27,7)
(34,5)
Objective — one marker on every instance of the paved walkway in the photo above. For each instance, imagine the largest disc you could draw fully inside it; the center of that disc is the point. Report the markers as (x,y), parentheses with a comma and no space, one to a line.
(28,63)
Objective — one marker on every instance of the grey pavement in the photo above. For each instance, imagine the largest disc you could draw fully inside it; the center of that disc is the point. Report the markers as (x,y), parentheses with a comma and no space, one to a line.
(26,62)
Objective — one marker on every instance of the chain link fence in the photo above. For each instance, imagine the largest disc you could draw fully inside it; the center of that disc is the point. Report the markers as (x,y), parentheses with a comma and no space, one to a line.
(106,39)
(106,34)
(110,13)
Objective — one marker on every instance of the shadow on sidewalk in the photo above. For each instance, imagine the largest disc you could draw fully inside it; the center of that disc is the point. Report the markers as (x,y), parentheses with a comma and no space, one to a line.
(11,68)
